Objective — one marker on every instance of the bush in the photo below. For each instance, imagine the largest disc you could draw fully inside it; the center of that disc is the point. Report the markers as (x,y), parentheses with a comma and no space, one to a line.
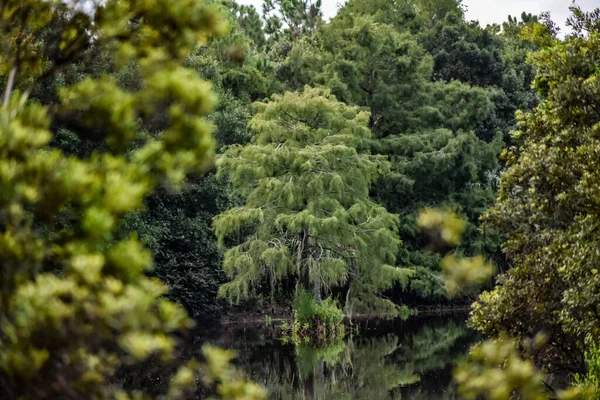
(591,380)
(314,321)
(305,308)
(329,313)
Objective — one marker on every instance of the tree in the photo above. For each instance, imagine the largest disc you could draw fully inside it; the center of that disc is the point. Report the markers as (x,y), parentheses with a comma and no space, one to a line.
(307,212)
(370,64)
(176,228)
(292,18)
(176,225)
(428,129)
(547,205)
(250,21)
(514,27)
(74,301)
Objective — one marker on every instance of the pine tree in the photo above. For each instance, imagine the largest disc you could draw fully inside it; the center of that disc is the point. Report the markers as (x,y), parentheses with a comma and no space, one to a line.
(427,129)
(292,18)
(307,211)
(250,21)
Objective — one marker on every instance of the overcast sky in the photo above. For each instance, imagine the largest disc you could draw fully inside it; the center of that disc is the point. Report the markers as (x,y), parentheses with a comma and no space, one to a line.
(486,11)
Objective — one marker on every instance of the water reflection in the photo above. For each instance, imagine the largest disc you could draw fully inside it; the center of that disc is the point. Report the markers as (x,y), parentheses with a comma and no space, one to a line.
(410,359)
(388,360)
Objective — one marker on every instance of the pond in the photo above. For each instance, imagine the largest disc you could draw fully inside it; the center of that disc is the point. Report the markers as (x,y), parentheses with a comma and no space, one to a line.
(388,359)
(411,359)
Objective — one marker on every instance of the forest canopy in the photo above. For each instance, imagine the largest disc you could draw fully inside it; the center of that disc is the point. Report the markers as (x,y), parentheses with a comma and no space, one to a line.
(170,161)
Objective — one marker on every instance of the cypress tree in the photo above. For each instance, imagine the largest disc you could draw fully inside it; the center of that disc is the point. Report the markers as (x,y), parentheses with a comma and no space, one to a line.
(307,212)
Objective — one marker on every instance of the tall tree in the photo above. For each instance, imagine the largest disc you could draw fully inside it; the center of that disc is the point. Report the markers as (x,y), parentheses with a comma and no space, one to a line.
(428,129)
(548,203)
(250,21)
(292,18)
(307,211)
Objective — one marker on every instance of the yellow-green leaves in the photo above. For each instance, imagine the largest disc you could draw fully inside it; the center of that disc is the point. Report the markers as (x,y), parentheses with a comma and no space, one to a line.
(305,176)
(230,386)
(495,369)
(88,267)
(104,107)
(447,225)
(128,259)
(140,345)
(461,274)
(75,303)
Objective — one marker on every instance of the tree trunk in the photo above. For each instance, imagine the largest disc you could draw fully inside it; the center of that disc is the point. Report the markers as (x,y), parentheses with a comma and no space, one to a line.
(304,268)
(314,381)
(317,285)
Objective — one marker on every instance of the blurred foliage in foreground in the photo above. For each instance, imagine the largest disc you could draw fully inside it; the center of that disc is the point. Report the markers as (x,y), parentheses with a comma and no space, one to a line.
(75,303)
(497,370)
(461,274)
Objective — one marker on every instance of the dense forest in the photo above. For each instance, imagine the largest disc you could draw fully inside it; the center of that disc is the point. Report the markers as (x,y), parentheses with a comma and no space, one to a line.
(421,105)
(169,162)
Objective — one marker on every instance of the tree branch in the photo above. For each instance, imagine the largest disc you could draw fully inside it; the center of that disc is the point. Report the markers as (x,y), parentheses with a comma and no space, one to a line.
(9,85)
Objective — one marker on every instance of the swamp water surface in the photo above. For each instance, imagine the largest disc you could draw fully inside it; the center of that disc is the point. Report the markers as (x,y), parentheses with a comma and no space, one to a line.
(411,359)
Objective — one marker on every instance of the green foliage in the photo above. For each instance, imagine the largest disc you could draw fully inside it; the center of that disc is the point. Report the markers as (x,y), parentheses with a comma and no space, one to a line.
(329,313)
(590,381)
(176,228)
(307,211)
(305,308)
(291,18)
(75,303)
(546,208)
(592,362)
(497,371)
(230,385)
(322,322)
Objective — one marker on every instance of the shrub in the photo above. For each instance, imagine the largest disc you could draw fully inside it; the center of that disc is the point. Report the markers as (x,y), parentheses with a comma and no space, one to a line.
(312,321)
(305,308)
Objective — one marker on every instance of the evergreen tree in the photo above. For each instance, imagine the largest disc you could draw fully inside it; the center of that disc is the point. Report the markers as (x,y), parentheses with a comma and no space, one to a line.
(307,211)
(249,20)
(292,18)
(547,204)
(427,128)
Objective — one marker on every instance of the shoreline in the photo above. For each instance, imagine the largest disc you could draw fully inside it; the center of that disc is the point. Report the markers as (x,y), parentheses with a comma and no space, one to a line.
(242,318)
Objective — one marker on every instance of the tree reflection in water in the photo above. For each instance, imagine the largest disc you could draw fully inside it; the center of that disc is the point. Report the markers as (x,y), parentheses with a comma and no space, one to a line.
(410,359)
(392,360)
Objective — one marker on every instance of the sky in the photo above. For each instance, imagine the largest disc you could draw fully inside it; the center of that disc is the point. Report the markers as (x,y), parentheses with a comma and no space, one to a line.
(486,11)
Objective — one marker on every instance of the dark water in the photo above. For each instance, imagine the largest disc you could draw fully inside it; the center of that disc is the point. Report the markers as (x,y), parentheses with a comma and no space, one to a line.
(410,359)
